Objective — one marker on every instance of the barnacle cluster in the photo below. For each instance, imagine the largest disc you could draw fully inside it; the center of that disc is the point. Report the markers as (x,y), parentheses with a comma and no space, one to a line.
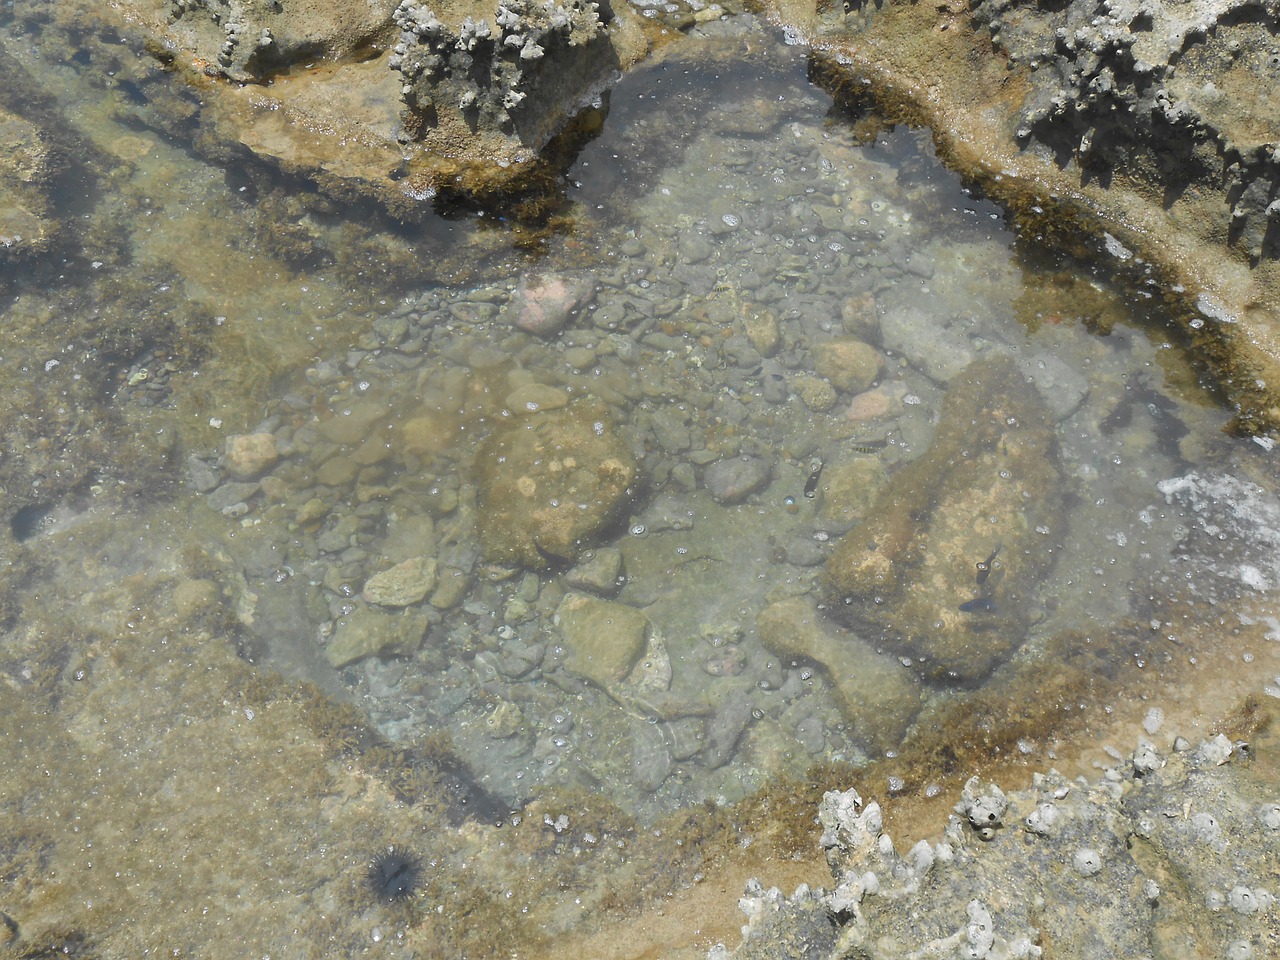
(492,73)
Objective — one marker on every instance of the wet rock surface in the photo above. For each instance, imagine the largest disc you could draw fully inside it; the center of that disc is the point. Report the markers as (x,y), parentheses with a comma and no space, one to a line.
(386,101)
(946,565)
(550,483)
(1119,866)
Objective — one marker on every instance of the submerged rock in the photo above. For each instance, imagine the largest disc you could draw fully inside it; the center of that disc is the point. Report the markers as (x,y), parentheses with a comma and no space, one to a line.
(605,639)
(27,165)
(551,483)
(946,564)
(876,694)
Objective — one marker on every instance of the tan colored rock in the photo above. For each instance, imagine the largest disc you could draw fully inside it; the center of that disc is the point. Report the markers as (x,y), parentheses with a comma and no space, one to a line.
(875,693)
(368,632)
(605,639)
(26,168)
(250,454)
(550,484)
(533,397)
(337,471)
(849,363)
(354,422)
(194,597)
(870,405)
(908,573)
(404,584)
(858,316)
(451,586)
(429,433)
(850,489)
(761,327)
(814,392)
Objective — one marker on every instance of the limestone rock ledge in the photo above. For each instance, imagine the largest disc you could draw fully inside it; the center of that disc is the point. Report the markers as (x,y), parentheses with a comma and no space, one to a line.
(1136,863)
(1141,132)
(391,101)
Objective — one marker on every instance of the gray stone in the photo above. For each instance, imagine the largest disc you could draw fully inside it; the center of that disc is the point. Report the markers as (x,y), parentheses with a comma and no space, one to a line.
(732,481)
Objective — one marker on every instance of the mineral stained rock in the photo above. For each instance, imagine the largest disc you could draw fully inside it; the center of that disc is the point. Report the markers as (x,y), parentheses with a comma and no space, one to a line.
(945,564)
(551,482)
(1134,864)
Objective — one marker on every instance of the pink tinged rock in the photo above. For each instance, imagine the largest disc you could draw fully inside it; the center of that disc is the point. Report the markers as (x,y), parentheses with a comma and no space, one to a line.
(250,454)
(870,405)
(542,306)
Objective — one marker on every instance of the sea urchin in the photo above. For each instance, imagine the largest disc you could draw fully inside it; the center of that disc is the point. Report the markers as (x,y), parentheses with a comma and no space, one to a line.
(394,874)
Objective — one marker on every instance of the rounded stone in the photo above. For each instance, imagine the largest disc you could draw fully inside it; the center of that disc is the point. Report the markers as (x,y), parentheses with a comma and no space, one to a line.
(550,484)
(250,454)
(732,481)
(848,363)
(814,392)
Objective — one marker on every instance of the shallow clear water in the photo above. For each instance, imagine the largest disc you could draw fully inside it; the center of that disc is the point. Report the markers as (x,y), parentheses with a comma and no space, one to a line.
(729,224)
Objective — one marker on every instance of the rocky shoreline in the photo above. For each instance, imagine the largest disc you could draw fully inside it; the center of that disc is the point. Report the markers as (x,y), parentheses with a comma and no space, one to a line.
(1168,852)
(1143,133)
(632,553)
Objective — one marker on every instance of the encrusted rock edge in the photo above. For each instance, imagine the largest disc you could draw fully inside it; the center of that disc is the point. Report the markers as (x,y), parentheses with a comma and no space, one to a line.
(1162,846)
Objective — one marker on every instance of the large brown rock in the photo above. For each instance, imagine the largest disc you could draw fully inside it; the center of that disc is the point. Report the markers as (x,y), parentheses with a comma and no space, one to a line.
(550,484)
(988,485)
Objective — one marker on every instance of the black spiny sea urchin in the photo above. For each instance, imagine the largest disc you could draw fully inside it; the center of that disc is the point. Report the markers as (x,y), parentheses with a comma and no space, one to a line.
(394,874)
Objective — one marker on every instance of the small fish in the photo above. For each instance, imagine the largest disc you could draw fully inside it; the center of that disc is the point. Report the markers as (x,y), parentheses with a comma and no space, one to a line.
(986,566)
(978,605)
(871,446)
(811,485)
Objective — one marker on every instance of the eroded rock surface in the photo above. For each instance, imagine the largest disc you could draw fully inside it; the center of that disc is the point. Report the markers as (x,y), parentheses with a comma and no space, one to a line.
(551,483)
(391,101)
(1116,867)
(945,564)
(27,165)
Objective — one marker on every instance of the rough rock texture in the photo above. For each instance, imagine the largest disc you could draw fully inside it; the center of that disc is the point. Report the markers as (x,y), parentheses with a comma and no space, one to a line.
(550,483)
(26,167)
(1169,87)
(1162,856)
(911,571)
(516,74)
(394,102)
(1141,132)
